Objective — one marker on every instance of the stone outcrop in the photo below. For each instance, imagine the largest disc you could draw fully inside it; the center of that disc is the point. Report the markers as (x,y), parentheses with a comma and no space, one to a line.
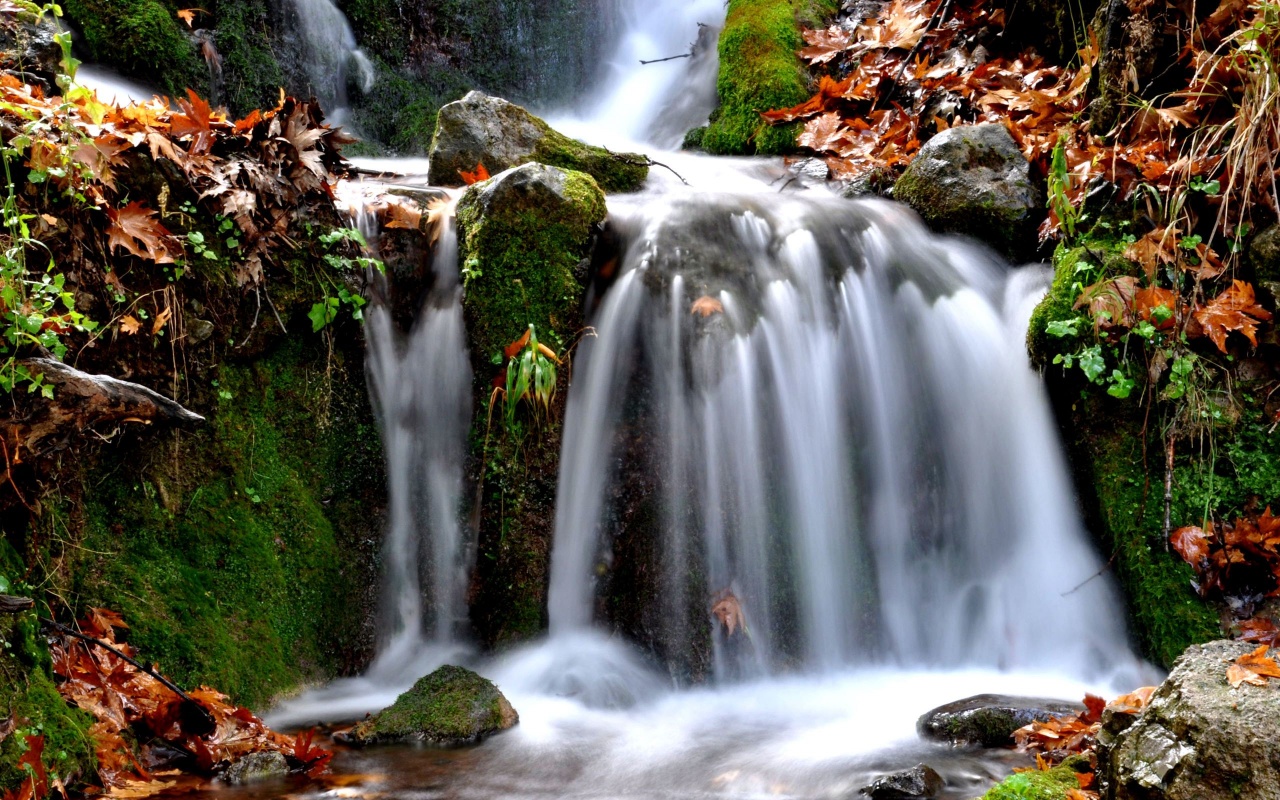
(1198,739)
(483,130)
(450,707)
(918,783)
(974,180)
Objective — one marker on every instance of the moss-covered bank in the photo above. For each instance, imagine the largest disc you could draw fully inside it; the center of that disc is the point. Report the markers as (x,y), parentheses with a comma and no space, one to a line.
(1117,448)
(242,553)
(141,38)
(759,71)
(30,700)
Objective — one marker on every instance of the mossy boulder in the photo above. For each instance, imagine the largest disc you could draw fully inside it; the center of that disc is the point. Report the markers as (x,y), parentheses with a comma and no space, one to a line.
(28,49)
(450,707)
(759,71)
(1052,784)
(989,720)
(522,236)
(974,180)
(479,129)
(142,39)
(1198,738)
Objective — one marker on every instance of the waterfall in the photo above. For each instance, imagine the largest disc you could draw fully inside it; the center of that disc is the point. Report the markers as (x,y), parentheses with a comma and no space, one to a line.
(420,386)
(654,103)
(850,446)
(330,54)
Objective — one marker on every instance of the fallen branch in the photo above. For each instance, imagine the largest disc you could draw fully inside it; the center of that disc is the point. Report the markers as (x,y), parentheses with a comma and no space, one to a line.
(10,604)
(80,402)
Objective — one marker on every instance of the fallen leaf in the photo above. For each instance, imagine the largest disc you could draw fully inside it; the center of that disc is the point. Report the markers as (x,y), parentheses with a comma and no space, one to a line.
(1235,309)
(706,305)
(129,324)
(480,174)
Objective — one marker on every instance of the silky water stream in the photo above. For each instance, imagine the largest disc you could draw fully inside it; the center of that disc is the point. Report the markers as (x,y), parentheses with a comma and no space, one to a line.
(844,436)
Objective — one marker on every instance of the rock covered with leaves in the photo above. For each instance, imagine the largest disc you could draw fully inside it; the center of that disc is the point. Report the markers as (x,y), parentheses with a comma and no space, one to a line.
(988,720)
(483,131)
(1210,732)
(973,179)
(522,235)
(452,706)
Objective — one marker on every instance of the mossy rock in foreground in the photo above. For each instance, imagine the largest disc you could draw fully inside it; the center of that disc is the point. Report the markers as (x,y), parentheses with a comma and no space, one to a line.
(452,706)
(479,129)
(522,235)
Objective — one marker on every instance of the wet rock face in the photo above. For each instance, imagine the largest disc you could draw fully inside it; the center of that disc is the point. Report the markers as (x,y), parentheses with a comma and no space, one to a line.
(479,129)
(1199,739)
(450,707)
(974,180)
(989,720)
(919,782)
(28,49)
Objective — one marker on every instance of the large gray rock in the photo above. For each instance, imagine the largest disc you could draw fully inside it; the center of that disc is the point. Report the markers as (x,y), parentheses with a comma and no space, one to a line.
(974,180)
(918,783)
(452,706)
(989,720)
(1198,739)
(479,129)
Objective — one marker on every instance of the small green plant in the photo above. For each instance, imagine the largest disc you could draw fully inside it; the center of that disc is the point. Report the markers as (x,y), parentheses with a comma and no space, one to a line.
(1069,217)
(531,378)
(336,293)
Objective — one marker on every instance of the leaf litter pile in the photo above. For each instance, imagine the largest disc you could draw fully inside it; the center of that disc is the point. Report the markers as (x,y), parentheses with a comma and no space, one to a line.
(147,736)
(1237,563)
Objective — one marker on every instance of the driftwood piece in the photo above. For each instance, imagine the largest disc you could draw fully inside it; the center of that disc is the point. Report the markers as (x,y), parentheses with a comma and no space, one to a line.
(9,604)
(82,401)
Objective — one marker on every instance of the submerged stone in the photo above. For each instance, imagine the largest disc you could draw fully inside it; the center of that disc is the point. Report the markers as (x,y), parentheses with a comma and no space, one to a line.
(921,781)
(1198,739)
(989,720)
(450,707)
(974,180)
(255,767)
(479,129)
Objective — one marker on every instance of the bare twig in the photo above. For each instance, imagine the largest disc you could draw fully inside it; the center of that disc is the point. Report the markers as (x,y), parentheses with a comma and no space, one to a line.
(1168,489)
(668,58)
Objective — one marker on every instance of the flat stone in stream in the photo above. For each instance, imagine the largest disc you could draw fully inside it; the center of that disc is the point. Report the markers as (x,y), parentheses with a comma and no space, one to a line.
(448,708)
(989,720)
(918,783)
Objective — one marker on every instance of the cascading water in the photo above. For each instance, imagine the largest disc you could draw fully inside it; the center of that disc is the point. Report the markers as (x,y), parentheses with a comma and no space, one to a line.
(420,384)
(851,443)
(331,56)
(853,462)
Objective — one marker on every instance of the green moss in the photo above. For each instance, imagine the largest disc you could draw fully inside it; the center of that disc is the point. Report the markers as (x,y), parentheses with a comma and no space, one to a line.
(521,254)
(379,28)
(614,172)
(140,38)
(251,71)
(759,71)
(239,553)
(450,706)
(29,697)
(400,110)
(1050,784)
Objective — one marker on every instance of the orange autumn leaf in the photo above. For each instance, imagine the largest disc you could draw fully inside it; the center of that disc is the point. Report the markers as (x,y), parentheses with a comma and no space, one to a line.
(1235,309)
(1191,543)
(136,229)
(706,305)
(480,174)
(188,15)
